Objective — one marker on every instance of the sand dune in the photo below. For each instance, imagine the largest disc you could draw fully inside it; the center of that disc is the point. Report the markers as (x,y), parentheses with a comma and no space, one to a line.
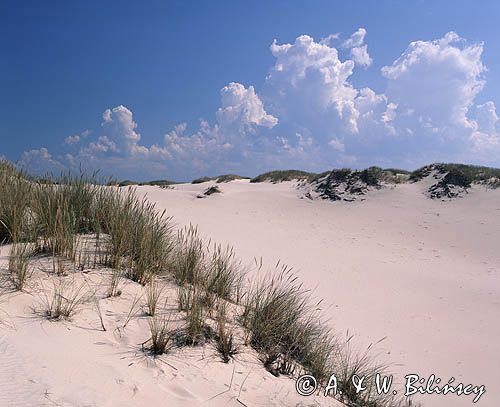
(74,363)
(422,273)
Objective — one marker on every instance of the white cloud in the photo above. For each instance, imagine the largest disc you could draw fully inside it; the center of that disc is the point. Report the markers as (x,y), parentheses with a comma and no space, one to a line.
(70,140)
(329,39)
(437,81)
(486,134)
(360,55)
(241,107)
(309,114)
(356,39)
(309,81)
(359,50)
(40,161)
(119,132)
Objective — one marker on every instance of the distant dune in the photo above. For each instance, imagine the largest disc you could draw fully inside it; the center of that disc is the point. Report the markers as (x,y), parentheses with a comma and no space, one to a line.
(422,273)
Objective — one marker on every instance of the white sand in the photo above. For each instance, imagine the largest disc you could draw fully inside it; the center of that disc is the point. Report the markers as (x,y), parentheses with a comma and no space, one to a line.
(74,363)
(423,273)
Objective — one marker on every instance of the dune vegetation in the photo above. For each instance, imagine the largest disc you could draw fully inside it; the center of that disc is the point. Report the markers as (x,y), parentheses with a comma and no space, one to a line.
(77,224)
(219,179)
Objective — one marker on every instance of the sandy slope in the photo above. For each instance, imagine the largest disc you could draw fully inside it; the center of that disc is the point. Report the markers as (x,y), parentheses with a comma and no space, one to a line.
(75,364)
(423,273)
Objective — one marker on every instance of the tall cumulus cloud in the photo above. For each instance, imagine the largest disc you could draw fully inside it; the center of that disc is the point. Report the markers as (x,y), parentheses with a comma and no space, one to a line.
(309,114)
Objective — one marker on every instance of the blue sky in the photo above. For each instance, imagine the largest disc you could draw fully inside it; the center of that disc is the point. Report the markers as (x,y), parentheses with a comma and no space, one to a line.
(122,86)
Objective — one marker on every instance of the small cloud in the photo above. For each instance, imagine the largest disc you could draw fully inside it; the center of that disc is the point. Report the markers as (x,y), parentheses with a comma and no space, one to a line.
(359,50)
(337,145)
(329,39)
(356,39)
(70,140)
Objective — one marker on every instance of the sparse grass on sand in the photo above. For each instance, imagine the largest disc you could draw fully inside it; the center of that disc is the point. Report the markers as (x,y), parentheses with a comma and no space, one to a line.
(19,264)
(64,301)
(161,335)
(74,220)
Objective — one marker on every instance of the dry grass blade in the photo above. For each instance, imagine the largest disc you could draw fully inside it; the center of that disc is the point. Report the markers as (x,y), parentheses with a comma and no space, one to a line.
(160,335)
(65,300)
(154,291)
(19,268)
(225,341)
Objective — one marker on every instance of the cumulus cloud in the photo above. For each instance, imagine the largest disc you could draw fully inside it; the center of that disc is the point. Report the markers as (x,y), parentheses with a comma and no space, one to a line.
(309,114)
(359,50)
(70,140)
(40,161)
(243,108)
(330,38)
(309,80)
(437,81)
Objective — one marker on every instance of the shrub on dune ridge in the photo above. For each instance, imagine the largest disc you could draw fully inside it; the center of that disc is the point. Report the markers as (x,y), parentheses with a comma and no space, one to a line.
(285,175)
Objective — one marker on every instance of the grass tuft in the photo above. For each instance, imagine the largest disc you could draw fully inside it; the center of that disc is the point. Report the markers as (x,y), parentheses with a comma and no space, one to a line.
(160,335)
(19,268)
(65,300)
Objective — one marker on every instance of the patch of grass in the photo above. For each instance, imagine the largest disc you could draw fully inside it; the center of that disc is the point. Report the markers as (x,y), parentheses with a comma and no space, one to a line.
(15,193)
(188,258)
(128,183)
(56,222)
(114,283)
(140,236)
(201,180)
(160,335)
(224,274)
(225,342)
(65,300)
(20,256)
(283,326)
(191,300)
(219,178)
(351,363)
(154,291)
(212,190)
(462,173)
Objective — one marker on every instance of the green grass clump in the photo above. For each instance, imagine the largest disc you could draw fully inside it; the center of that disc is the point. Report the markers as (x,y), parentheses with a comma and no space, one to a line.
(65,301)
(154,291)
(140,236)
(225,341)
(188,257)
(191,300)
(15,193)
(283,326)
(223,274)
(19,268)
(56,221)
(160,335)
